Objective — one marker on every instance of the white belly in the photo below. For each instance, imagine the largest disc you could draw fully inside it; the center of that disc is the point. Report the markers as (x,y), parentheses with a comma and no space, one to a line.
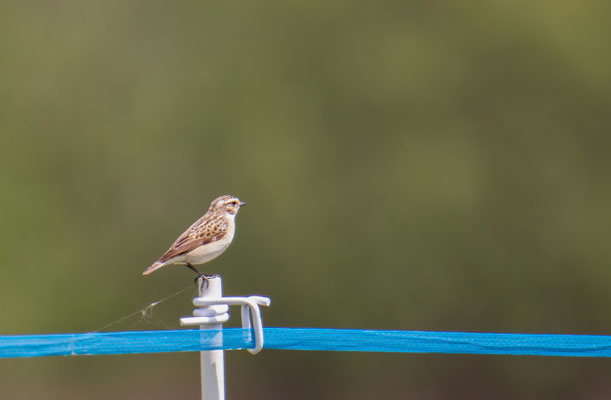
(207,252)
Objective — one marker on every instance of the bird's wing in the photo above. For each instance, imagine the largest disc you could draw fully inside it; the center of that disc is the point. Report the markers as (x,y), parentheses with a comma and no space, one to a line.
(207,229)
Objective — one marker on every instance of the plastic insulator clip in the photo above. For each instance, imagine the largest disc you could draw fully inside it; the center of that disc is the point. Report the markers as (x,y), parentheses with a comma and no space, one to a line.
(211,311)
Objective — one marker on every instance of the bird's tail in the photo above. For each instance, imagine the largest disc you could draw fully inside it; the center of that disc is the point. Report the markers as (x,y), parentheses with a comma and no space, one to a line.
(156,265)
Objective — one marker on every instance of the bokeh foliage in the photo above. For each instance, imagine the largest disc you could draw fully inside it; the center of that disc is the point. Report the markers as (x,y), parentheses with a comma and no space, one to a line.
(407,165)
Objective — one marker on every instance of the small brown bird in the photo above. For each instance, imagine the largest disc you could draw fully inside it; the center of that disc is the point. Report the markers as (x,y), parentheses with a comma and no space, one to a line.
(206,239)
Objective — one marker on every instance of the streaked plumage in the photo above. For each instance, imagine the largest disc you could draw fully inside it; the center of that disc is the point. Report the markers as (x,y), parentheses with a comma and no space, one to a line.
(206,239)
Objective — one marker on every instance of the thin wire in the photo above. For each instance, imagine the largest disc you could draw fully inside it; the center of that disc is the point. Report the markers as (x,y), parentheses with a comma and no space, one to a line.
(146,312)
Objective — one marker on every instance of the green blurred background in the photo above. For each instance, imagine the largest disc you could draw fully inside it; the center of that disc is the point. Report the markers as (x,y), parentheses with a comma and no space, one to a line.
(407,165)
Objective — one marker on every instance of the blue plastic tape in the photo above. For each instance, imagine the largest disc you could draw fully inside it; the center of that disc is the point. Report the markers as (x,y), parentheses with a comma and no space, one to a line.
(306,339)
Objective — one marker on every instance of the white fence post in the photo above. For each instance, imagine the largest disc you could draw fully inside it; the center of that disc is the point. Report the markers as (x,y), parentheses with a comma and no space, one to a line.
(212,361)
(210,314)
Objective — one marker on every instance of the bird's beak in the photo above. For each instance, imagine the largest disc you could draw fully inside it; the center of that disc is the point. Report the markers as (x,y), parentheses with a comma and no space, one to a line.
(242,204)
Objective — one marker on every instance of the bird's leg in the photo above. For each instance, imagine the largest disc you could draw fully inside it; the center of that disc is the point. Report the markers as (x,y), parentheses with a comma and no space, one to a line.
(204,277)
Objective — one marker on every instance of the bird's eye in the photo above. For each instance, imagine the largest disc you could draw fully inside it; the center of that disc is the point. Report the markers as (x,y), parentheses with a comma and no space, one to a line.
(234,203)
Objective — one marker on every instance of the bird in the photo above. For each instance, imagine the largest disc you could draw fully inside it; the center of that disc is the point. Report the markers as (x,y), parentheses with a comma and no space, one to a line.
(206,239)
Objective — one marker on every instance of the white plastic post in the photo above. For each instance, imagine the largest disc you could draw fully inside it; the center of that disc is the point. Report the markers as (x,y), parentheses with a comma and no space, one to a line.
(212,361)
(211,313)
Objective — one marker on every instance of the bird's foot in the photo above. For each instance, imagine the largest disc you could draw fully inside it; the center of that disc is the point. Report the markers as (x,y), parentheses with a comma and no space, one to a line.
(204,283)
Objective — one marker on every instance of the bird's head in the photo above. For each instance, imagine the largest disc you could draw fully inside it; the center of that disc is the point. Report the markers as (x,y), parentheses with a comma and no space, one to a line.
(226,205)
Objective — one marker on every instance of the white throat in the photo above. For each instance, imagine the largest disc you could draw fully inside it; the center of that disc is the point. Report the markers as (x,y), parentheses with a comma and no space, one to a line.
(230,225)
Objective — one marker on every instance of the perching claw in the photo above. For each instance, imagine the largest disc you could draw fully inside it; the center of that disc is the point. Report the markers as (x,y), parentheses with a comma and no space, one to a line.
(204,282)
(200,275)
